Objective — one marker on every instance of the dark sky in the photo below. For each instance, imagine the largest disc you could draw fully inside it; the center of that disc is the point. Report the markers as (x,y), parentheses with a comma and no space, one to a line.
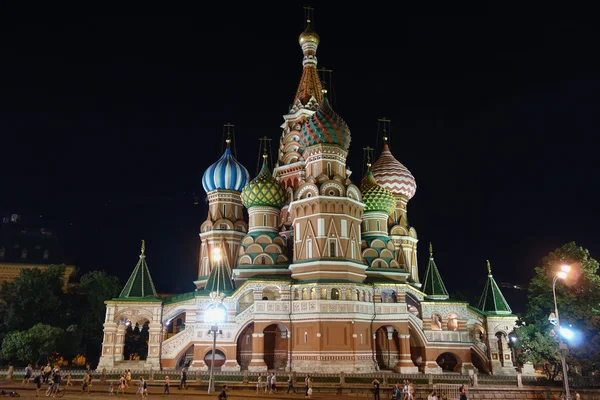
(109,120)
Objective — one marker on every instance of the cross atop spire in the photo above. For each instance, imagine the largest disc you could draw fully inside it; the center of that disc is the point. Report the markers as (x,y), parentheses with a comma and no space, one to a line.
(430,250)
(367,154)
(227,130)
(143,248)
(265,146)
(489,267)
(308,15)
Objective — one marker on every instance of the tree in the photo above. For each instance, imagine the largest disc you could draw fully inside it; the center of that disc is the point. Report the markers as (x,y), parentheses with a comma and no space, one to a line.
(36,296)
(94,289)
(577,297)
(34,345)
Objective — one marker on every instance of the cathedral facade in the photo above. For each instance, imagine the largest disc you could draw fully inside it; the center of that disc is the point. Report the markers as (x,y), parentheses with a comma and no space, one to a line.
(322,275)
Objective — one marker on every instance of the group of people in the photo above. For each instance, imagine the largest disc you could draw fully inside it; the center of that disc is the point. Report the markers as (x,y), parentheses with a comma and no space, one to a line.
(270,384)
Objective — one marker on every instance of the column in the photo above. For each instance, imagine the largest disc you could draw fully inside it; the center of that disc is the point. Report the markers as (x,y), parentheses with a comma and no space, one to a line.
(120,342)
(405,364)
(288,365)
(107,359)
(154,334)
(257,363)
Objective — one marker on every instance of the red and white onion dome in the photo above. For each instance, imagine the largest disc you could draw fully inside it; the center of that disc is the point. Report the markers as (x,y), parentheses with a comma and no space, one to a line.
(392,175)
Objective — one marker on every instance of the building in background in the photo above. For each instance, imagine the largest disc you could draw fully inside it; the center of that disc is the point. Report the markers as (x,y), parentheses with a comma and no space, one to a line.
(26,245)
(323,274)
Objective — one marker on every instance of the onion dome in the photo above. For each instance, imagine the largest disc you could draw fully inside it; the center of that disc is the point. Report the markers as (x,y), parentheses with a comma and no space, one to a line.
(264,190)
(392,175)
(308,36)
(226,174)
(376,197)
(326,126)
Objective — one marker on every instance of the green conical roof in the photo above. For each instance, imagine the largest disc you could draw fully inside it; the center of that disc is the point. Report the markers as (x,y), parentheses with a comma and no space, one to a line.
(375,196)
(140,282)
(219,279)
(433,285)
(492,300)
(264,190)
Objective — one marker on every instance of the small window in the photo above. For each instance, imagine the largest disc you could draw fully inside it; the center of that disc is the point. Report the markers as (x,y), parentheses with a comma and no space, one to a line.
(224,210)
(265,220)
(331,193)
(335,294)
(305,337)
(224,226)
(328,169)
(361,338)
(378,224)
(309,195)
(247,339)
(332,252)
(263,260)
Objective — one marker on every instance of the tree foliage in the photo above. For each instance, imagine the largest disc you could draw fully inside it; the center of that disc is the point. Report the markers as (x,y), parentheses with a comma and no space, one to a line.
(75,317)
(577,297)
(34,345)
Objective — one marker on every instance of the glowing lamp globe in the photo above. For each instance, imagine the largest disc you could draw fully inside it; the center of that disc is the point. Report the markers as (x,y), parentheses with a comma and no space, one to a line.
(215,315)
(561,274)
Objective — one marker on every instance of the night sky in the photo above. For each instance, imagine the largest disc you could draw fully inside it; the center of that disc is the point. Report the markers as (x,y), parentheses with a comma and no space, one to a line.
(109,121)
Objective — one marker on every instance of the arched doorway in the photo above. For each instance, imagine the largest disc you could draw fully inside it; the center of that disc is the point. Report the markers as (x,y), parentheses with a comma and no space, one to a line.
(276,345)
(244,347)
(219,358)
(448,362)
(417,347)
(136,341)
(387,347)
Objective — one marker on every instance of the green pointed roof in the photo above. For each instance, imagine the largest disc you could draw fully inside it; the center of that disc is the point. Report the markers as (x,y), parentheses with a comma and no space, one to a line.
(492,300)
(140,282)
(219,279)
(433,285)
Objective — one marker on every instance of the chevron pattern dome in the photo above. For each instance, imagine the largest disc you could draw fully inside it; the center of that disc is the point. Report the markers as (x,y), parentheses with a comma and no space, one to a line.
(263,190)
(226,174)
(325,126)
(392,175)
(376,197)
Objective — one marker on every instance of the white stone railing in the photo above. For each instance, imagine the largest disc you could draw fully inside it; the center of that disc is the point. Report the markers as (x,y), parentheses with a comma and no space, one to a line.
(173,345)
(448,336)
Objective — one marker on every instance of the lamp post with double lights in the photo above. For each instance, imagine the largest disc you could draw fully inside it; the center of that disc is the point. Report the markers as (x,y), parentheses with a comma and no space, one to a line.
(562,347)
(215,314)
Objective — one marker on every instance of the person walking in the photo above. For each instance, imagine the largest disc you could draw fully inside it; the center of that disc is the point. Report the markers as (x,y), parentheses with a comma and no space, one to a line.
(463,392)
(167,384)
(11,370)
(376,385)
(258,382)
(27,376)
(183,383)
(290,383)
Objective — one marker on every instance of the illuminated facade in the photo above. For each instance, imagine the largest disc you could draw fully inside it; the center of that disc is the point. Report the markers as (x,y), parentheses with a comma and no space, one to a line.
(322,276)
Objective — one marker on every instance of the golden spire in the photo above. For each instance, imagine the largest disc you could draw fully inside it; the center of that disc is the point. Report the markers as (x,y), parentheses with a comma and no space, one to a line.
(430,250)
(143,247)
(489,268)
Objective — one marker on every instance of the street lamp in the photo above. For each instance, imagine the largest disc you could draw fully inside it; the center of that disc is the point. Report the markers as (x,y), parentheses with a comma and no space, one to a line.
(215,314)
(562,347)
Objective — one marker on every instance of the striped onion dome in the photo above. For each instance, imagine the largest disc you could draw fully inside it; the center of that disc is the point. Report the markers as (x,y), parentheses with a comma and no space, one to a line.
(264,190)
(392,175)
(226,174)
(326,126)
(375,196)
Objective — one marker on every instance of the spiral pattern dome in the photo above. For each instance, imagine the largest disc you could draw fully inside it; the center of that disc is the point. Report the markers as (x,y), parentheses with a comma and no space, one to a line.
(392,175)
(325,126)
(225,174)
(264,190)
(375,196)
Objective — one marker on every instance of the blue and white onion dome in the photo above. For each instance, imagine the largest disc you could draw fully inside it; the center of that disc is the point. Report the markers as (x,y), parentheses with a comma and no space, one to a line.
(226,174)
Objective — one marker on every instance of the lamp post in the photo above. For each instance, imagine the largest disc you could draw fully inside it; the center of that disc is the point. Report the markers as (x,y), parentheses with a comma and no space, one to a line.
(562,347)
(214,315)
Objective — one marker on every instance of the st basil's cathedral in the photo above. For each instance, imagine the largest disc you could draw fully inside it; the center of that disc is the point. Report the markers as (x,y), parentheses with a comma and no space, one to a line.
(322,275)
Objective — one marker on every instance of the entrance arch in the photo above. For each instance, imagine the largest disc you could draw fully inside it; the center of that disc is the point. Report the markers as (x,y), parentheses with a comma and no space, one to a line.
(480,362)
(417,347)
(449,362)
(136,340)
(276,346)
(387,347)
(244,346)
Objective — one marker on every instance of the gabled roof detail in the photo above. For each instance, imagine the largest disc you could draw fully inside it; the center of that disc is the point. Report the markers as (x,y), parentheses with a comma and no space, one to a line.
(433,285)
(492,300)
(140,282)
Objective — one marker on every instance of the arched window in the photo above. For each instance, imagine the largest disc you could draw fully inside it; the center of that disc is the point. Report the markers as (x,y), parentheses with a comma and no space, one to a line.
(265,220)
(263,259)
(335,294)
(332,252)
(328,169)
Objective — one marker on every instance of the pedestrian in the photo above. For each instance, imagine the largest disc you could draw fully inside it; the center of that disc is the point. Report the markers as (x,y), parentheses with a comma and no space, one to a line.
(122,383)
(268,386)
(183,383)
(38,383)
(258,382)
(69,380)
(10,373)
(376,395)
(462,392)
(140,390)
(273,388)
(306,382)
(223,394)
(290,383)
(27,376)
(310,387)
(167,385)
(111,388)
(577,395)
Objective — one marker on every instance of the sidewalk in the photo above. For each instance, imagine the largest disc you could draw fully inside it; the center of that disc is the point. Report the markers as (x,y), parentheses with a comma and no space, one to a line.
(154,389)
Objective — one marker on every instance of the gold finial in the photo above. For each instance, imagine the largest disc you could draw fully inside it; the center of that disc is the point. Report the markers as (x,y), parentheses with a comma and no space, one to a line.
(489,268)
(143,246)
(430,250)
(308,13)
(384,121)
(228,126)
